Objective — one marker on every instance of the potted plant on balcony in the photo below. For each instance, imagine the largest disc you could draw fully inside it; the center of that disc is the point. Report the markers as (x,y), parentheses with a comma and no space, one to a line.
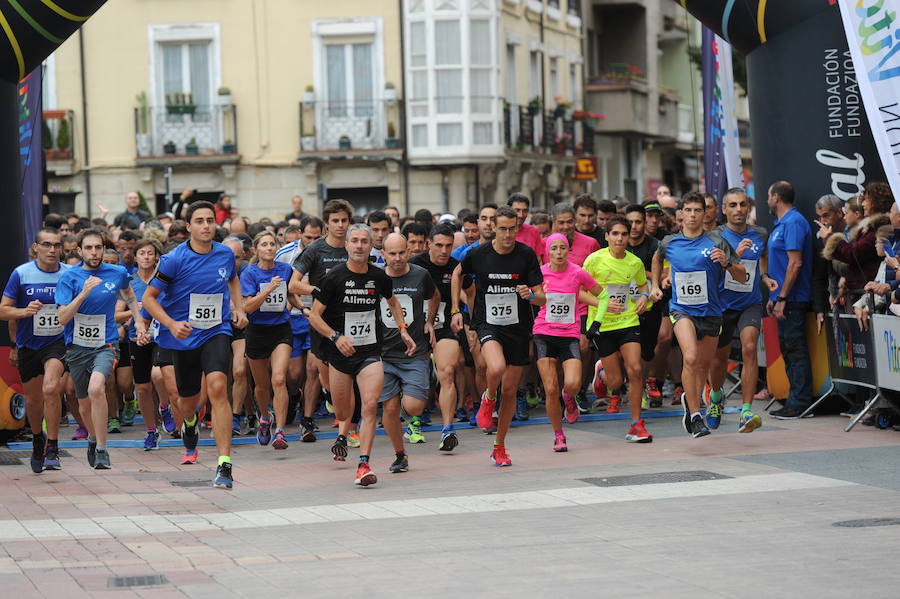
(144,146)
(309,95)
(344,143)
(47,141)
(392,141)
(180,103)
(563,109)
(169,148)
(229,147)
(390,92)
(63,140)
(191,148)
(534,106)
(224,96)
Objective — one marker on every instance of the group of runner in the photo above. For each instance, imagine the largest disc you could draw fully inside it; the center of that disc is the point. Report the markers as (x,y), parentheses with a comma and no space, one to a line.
(355,312)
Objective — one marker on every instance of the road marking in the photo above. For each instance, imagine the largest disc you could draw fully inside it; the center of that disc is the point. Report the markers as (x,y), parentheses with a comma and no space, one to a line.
(150,524)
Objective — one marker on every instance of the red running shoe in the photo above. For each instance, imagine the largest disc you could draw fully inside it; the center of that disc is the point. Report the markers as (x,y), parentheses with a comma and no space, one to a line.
(364,475)
(638,433)
(500,457)
(190,456)
(614,401)
(653,392)
(485,417)
(559,442)
(598,384)
(571,408)
(280,442)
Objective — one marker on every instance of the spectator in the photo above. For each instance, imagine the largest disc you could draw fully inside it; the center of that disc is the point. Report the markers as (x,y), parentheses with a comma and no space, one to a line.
(541,222)
(606,209)
(790,265)
(223,209)
(133,215)
(424,217)
(829,209)
(654,225)
(664,197)
(179,207)
(395,217)
(297,212)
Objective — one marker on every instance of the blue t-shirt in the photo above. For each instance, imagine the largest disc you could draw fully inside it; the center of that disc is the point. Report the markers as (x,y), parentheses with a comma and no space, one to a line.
(736,295)
(275,309)
(139,287)
(791,233)
(101,301)
(463,250)
(287,254)
(26,284)
(695,277)
(196,291)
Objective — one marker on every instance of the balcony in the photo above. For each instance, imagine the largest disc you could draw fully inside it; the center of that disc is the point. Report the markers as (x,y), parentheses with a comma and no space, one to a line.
(57,137)
(624,96)
(186,134)
(561,131)
(338,129)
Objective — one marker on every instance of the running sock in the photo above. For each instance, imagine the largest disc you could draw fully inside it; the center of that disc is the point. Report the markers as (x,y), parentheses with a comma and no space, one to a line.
(398,454)
(52,442)
(746,407)
(101,448)
(265,421)
(151,429)
(279,430)
(91,439)
(224,459)
(363,459)
(634,422)
(694,415)
(715,396)
(192,421)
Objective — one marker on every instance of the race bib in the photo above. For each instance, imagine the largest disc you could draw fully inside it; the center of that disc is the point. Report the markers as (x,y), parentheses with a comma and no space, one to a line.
(205,310)
(388,316)
(560,308)
(46,322)
(691,288)
(501,308)
(732,285)
(360,327)
(90,330)
(275,301)
(618,293)
(154,329)
(439,317)
(634,292)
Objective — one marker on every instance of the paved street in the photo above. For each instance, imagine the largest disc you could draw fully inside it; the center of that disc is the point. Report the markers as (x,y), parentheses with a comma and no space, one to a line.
(755,516)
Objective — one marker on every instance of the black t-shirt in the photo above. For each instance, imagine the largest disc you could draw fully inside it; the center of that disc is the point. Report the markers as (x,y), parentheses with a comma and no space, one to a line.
(442,277)
(413,290)
(317,259)
(645,251)
(353,306)
(598,234)
(497,303)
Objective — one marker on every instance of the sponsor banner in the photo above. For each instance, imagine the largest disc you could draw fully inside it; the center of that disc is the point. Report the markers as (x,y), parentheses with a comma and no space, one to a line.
(886,333)
(776,376)
(851,351)
(31,154)
(721,146)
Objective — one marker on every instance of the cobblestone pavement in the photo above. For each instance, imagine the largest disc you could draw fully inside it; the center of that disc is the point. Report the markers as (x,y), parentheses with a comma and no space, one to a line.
(728,515)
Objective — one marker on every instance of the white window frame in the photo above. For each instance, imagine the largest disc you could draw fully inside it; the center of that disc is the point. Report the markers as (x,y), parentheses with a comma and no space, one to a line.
(159,34)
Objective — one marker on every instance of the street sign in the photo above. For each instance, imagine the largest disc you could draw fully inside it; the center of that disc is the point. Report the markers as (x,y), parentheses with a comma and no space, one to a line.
(586,168)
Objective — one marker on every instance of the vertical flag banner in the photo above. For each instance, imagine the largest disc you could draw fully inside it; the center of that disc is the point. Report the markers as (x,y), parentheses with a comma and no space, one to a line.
(721,149)
(31,153)
(873,34)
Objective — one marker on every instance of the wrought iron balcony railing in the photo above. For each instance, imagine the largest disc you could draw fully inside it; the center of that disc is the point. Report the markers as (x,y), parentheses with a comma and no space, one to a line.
(185,130)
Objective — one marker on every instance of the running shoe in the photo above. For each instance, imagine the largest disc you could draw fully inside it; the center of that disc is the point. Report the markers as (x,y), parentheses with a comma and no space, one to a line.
(492,428)
(81,434)
(614,402)
(413,432)
(129,410)
(531,396)
(91,452)
(486,411)
(559,442)
(677,395)
(329,407)
(223,479)
(190,435)
(425,418)
(321,413)
(38,444)
(598,384)
(113,427)
(449,441)
(714,413)
(152,440)
(461,415)
(400,464)
(252,424)
(653,392)
(235,424)
(51,458)
(638,433)
(101,460)
(521,407)
(698,427)
(685,414)
(645,400)
(353,439)
(500,457)
(473,415)
(167,421)
(190,456)
(749,423)
(335,423)
(279,441)
(572,411)
(307,430)
(364,475)
(339,449)
(264,432)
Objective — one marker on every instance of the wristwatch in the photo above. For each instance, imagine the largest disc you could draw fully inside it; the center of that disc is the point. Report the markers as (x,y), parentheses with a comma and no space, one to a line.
(780,299)
(335,336)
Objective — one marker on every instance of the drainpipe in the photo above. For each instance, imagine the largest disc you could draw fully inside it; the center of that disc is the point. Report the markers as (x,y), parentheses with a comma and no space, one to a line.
(84,124)
(404,158)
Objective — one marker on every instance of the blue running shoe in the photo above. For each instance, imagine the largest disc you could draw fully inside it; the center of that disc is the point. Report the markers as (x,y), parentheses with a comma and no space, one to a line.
(223,479)
(38,444)
(749,423)
(322,412)
(473,417)
(521,407)
(448,439)
(167,421)
(714,414)
(425,418)
(264,433)
(236,424)
(51,458)
(152,440)
(461,415)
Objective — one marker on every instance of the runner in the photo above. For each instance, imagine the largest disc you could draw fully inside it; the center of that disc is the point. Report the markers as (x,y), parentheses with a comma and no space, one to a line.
(240,367)
(86,297)
(346,314)
(507,276)
(29,303)
(697,260)
(405,374)
(615,327)
(200,283)
(557,330)
(269,336)
(743,314)
(380,223)
(440,265)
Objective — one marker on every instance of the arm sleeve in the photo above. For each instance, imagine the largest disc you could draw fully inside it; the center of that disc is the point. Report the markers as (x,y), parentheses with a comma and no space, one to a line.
(64,292)
(723,245)
(12,286)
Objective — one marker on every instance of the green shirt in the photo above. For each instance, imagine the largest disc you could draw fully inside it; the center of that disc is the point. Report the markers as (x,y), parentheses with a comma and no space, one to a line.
(616,275)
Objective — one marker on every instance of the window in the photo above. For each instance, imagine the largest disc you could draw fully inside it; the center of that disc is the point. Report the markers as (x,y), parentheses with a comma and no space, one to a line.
(575,7)
(553,3)
(480,61)
(511,83)
(534,74)
(186,70)
(554,77)
(448,67)
(349,80)
(574,87)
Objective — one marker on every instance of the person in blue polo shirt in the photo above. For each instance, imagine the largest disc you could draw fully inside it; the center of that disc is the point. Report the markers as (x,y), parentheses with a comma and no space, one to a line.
(29,302)
(790,265)
(86,296)
(200,284)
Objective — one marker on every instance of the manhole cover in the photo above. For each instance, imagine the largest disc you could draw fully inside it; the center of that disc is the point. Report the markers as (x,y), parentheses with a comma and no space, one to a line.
(655,478)
(8,458)
(136,581)
(191,483)
(868,522)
